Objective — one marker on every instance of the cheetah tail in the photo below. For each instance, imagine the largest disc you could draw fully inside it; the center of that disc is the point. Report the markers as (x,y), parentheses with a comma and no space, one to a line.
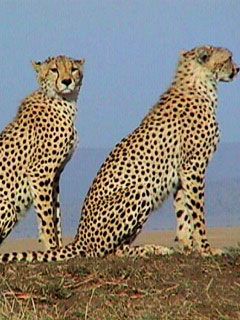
(65,253)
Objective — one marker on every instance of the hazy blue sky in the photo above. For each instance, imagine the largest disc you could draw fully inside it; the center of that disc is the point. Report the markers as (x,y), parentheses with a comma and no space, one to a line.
(131,50)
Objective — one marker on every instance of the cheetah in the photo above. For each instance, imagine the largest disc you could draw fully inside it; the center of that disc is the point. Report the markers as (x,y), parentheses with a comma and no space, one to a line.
(168,153)
(36,146)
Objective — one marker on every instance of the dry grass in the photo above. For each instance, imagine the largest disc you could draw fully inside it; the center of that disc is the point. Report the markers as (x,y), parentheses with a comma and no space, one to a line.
(169,288)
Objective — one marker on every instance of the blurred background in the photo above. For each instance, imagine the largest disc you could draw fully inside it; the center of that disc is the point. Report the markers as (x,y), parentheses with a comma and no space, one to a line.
(131,50)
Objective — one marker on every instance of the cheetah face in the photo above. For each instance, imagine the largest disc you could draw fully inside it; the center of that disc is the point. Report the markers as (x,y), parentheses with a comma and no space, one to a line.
(60,76)
(218,62)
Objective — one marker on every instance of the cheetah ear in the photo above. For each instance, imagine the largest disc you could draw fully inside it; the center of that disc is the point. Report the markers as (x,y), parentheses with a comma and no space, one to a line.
(183,53)
(80,63)
(203,56)
(36,66)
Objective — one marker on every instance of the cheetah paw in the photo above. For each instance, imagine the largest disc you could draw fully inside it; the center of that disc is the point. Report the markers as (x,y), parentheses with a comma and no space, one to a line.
(212,252)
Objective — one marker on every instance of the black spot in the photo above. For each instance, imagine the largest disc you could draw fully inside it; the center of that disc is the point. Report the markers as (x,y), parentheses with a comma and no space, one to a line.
(5,257)
(179,213)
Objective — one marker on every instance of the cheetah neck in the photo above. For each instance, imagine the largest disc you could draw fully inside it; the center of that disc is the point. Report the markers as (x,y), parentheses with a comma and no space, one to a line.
(68,106)
(199,82)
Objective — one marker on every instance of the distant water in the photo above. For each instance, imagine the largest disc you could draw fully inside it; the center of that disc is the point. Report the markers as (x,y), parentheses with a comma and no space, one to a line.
(222,192)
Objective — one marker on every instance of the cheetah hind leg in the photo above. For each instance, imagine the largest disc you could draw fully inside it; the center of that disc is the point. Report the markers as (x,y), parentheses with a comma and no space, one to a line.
(142,251)
(8,219)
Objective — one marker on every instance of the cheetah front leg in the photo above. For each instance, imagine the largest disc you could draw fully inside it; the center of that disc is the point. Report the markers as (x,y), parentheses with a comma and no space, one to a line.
(57,211)
(45,191)
(185,228)
(189,204)
(8,219)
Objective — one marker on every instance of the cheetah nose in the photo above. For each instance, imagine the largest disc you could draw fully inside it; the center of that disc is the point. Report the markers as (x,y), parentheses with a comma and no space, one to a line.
(237,69)
(67,82)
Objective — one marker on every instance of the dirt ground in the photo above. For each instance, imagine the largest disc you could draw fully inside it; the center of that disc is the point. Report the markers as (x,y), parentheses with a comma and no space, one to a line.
(175,287)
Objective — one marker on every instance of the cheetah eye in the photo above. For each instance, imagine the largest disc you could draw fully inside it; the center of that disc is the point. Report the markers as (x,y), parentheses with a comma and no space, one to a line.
(74,69)
(54,70)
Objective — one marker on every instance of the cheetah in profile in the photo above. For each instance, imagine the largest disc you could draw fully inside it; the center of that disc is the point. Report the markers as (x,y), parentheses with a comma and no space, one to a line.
(36,146)
(168,152)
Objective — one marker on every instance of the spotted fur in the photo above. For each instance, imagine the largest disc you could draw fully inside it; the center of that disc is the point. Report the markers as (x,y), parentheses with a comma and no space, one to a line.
(35,147)
(168,153)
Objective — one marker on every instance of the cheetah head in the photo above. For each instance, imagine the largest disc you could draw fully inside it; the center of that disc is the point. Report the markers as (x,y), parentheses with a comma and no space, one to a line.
(216,63)
(60,76)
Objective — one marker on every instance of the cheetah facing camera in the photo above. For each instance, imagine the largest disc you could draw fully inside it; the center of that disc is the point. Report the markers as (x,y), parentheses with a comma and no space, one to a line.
(168,152)
(35,147)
